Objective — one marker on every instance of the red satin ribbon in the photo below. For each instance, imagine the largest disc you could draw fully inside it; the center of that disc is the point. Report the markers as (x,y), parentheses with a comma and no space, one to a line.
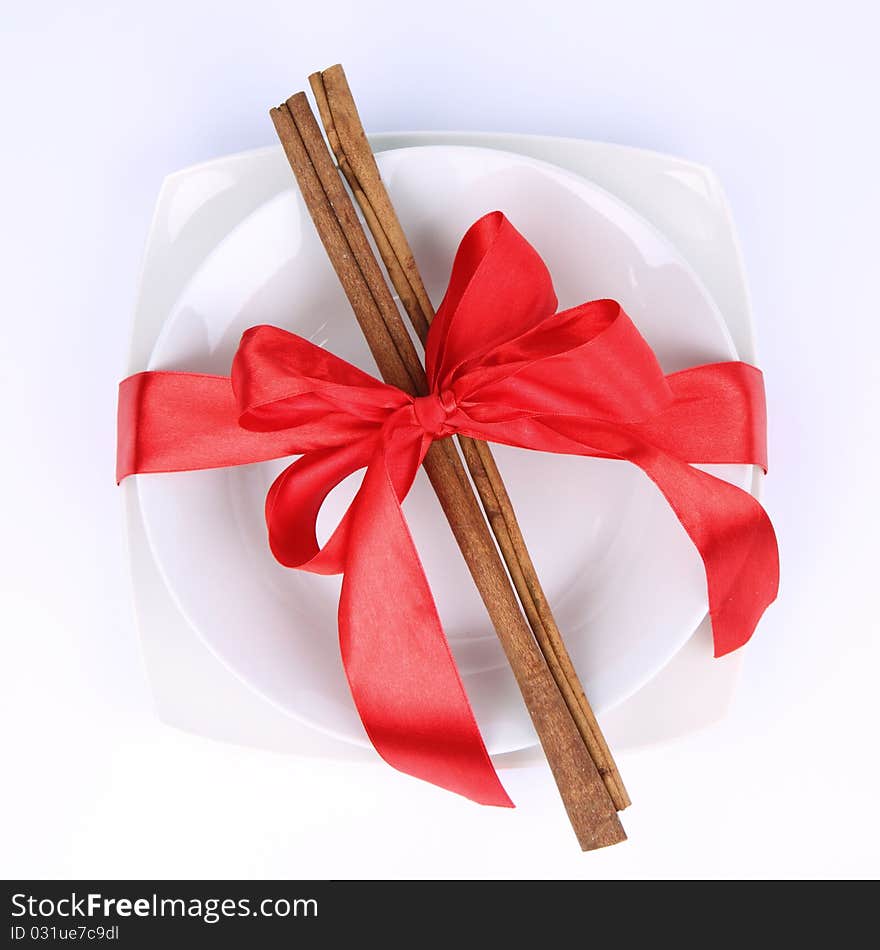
(504,367)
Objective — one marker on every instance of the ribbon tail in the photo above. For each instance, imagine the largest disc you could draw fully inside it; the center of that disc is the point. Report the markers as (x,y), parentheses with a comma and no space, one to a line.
(735,539)
(399,666)
(730,530)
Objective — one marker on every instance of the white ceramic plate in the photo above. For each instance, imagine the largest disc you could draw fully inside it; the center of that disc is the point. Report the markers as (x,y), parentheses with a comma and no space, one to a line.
(626,585)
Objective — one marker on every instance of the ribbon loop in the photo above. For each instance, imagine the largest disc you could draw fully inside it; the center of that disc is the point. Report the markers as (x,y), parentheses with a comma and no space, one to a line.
(501,366)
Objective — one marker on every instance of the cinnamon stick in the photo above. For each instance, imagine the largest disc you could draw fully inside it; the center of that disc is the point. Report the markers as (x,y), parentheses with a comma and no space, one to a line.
(587,802)
(356,161)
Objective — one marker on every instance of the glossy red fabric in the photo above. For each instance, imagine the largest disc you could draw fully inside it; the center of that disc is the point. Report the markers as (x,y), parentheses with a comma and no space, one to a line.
(502,366)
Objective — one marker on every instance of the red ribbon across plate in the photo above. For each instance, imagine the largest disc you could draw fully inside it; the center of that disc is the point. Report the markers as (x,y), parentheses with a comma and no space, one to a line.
(502,366)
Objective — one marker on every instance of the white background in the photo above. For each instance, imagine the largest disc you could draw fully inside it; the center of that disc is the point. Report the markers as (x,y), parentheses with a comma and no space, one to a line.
(102,100)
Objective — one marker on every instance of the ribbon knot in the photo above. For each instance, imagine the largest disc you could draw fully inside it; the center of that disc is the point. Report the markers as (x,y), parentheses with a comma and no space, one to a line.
(582,381)
(433,412)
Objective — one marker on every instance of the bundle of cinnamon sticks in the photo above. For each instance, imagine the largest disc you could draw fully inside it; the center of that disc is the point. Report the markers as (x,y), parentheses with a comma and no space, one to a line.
(582,765)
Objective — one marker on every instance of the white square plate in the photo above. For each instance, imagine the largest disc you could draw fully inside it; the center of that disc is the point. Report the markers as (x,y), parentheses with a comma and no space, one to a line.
(198,206)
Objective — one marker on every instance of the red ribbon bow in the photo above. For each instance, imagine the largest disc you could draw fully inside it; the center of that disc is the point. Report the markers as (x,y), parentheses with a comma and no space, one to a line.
(504,367)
